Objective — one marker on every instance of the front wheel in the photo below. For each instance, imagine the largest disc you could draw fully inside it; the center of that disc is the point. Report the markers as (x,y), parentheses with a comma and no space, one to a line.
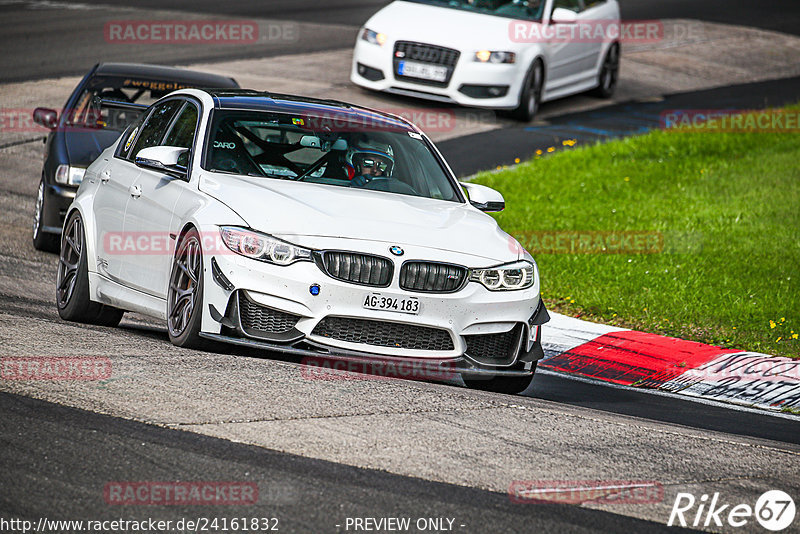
(609,73)
(531,94)
(501,384)
(41,239)
(185,294)
(72,286)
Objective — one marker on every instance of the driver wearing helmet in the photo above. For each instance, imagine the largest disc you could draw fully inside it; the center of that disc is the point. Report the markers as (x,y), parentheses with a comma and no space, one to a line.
(369,163)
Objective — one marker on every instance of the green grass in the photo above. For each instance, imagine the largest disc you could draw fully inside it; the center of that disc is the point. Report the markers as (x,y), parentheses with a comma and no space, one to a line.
(727,205)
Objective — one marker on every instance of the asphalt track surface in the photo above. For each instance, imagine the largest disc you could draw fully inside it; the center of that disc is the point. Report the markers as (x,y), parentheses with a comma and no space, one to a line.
(778,15)
(59,458)
(39,46)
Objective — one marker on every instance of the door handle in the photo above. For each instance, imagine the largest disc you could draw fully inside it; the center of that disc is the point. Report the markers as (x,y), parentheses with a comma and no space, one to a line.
(135,190)
(105,176)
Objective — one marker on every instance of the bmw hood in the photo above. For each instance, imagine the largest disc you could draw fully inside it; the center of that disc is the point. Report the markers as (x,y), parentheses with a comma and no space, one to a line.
(452,28)
(294,211)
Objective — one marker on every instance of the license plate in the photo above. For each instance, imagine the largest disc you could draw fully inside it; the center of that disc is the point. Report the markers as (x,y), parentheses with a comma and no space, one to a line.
(422,70)
(376,301)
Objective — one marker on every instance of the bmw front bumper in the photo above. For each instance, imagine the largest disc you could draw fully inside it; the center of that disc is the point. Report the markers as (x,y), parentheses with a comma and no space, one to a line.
(248,302)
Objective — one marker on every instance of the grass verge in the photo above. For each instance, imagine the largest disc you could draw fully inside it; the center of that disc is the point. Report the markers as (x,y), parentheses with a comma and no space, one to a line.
(724,209)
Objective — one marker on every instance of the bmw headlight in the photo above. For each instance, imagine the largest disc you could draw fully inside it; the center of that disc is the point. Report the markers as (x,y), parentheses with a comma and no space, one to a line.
(65,174)
(373,37)
(487,56)
(517,275)
(262,247)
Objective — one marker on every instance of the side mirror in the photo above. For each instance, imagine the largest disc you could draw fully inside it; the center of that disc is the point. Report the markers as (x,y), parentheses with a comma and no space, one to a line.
(45,117)
(484,198)
(163,159)
(563,16)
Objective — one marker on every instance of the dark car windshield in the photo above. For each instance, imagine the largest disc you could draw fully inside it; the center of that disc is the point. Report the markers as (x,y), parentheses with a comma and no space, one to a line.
(86,113)
(513,9)
(381,155)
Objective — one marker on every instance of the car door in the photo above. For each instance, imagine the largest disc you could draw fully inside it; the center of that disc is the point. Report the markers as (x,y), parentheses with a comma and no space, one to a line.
(152,205)
(565,55)
(110,200)
(122,249)
(596,13)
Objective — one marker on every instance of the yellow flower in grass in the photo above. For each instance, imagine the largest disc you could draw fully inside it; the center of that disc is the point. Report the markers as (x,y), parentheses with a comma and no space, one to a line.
(551,149)
(516,160)
(794,336)
(538,152)
(772,324)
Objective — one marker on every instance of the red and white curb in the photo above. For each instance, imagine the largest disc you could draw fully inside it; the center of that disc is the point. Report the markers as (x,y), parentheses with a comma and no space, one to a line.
(638,359)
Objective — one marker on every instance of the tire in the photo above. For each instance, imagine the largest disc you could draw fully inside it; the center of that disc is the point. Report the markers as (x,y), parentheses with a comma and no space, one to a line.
(531,93)
(501,384)
(72,285)
(185,293)
(609,73)
(41,239)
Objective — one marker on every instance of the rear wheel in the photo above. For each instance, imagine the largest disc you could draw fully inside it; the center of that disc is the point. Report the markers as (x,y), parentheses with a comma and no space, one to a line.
(609,72)
(185,294)
(72,286)
(531,94)
(501,384)
(41,239)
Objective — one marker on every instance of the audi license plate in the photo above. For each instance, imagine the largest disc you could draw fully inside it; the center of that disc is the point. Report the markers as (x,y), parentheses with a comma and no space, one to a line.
(422,70)
(376,301)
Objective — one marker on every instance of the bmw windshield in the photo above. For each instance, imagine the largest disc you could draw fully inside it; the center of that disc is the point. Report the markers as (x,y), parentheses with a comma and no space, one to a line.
(381,155)
(513,9)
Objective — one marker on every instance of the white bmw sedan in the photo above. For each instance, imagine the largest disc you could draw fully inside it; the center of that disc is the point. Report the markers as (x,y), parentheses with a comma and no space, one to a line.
(304,226)
(500,54)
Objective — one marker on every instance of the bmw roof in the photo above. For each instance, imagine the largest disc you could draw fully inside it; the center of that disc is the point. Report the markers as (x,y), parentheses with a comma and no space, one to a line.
(264,101)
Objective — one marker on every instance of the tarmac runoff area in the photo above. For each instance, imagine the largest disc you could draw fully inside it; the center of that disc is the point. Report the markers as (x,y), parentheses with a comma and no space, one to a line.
(693,55)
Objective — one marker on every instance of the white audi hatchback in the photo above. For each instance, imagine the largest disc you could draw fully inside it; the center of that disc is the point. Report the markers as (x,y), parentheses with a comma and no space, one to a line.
(304,226)
(500,54)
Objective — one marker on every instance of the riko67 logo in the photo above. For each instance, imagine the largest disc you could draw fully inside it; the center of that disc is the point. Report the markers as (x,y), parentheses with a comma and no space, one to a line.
(774,510)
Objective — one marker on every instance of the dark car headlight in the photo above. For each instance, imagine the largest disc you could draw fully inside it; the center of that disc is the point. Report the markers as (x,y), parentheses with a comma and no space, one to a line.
(68,175)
